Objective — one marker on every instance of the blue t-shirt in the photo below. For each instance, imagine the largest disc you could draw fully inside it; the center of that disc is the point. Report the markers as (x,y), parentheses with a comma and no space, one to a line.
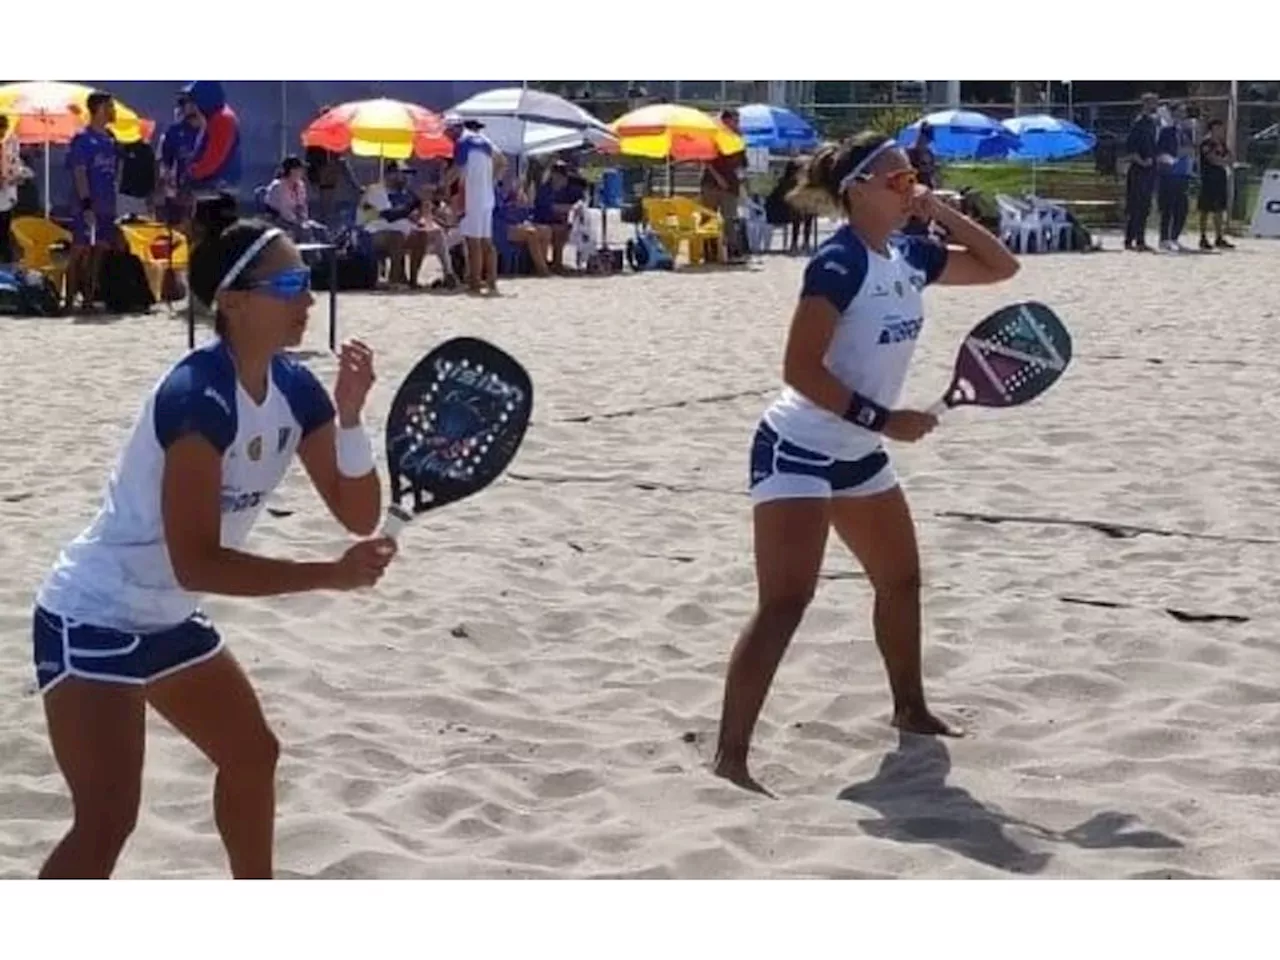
(99,154)
(548,197)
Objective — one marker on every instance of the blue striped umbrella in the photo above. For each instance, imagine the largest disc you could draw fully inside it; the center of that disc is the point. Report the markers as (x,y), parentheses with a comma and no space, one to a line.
(775,128)
(962,134)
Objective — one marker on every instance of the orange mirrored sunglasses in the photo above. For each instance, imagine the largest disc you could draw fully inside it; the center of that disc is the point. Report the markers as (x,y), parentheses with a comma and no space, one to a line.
(899,181)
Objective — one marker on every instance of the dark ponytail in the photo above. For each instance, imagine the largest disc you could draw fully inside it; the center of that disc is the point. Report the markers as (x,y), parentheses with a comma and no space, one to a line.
(213,258)
(818,189)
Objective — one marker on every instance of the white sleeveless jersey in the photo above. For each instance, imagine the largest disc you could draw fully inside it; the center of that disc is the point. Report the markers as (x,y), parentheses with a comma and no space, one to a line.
(117,573)
(881,315)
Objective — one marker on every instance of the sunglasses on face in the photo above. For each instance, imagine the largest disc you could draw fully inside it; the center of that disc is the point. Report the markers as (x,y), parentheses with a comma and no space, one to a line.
(899,181)
(285,285)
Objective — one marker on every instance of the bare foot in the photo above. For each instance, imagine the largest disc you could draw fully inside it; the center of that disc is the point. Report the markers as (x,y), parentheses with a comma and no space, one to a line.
(738,775)
(920,720)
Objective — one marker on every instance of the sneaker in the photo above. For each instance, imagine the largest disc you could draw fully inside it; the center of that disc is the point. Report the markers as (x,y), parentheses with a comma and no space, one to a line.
(1178,247)
(1222,244)
(1204,243)
(1166,246)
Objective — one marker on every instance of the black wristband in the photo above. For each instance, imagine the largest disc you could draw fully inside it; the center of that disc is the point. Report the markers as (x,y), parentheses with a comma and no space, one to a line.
(86,203)
(866,413)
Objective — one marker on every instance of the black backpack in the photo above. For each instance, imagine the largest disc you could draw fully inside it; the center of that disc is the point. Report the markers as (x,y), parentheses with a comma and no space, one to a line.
(122,284)
(27,293)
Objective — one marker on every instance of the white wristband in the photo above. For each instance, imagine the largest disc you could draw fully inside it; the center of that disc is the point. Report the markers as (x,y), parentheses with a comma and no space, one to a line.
(355,452)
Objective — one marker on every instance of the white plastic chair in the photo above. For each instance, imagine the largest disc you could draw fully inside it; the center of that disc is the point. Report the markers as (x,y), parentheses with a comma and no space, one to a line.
(759,232)
(1053,218)
(1018,222)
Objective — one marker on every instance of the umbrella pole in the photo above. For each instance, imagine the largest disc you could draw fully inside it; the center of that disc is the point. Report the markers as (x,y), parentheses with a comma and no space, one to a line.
(46,179)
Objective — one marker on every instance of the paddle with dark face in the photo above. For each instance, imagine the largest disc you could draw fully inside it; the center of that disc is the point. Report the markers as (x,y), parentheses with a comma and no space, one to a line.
(455,424)
(1008,359)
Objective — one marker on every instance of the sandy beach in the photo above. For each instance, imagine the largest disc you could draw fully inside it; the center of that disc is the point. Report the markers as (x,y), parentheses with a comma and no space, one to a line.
(533,690)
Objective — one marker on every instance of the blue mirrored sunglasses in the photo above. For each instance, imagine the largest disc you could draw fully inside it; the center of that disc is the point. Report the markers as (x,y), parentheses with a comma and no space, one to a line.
(285,285)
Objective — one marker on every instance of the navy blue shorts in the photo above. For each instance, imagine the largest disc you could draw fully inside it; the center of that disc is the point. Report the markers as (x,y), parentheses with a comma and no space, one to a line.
(782,470)
(66,648)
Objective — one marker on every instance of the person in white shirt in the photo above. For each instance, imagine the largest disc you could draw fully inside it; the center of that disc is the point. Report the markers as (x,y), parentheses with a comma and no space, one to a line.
(286,198)
(479,164)
(12,173)
(117,624)
(817,460)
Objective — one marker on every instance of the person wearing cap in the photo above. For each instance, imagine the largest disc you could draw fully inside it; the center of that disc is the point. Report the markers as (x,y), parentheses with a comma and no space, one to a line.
(93,157)
(479,164)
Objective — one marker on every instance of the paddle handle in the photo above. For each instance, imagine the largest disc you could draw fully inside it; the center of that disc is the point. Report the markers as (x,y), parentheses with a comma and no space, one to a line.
(397,519)
(938,409)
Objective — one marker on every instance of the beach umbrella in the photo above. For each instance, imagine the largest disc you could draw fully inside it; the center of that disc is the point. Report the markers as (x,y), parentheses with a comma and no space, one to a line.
(387,129)
(526,122)
(1042,138)
(669,131)
(772,127)
(47,112)
(962,134)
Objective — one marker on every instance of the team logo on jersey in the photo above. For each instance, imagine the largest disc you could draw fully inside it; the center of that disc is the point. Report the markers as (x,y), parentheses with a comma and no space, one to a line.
(282,440)
(254,449)
(897,331)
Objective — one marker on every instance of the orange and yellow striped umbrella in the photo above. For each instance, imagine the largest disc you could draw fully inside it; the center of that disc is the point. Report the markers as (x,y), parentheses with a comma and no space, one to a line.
(669,131)
(380,128)
(49,111)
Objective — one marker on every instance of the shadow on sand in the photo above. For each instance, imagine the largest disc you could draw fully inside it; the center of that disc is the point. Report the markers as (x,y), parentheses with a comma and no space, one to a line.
(916,805)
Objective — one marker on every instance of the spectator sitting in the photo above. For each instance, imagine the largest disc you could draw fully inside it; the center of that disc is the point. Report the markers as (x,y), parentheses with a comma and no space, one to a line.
(553,202)
(286,199)
(523,230)
(440,226)
(387,210)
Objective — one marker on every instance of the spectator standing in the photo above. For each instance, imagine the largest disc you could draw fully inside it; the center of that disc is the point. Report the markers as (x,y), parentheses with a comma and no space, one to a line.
(1140,179)
(12,173)
(93,157)
(1175,148)
(479,163)
(1215,156)
(722,189)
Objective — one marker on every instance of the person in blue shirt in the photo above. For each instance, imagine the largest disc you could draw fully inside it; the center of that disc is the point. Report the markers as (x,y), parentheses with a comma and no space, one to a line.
(817,461)
(1175,146)
(93,159)
(553,202)
(177,147)
(117,625)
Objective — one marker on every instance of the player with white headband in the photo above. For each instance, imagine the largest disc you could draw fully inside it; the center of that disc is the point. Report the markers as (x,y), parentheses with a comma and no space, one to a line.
(117,623)
(817,459)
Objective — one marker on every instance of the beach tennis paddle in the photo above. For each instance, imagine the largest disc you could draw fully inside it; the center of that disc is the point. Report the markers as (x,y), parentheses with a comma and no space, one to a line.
(455,424)
(1008,359)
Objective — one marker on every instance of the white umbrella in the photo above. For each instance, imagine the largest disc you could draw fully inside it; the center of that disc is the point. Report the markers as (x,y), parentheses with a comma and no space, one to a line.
(528,122)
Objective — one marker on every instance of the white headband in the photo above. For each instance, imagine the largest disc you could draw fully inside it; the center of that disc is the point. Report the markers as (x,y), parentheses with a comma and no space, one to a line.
(852,176)
(246,258)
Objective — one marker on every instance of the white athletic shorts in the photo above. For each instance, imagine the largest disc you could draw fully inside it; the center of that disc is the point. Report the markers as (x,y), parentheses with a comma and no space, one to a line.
(477,223)
(782,470)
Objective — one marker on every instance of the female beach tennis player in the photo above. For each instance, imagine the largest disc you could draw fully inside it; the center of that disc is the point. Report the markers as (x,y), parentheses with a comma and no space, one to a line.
(818,459)
(117,624)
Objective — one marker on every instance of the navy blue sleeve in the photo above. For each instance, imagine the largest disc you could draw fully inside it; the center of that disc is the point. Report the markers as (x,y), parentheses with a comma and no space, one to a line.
(194,398)
(836,274)
(928,255)
(307,397)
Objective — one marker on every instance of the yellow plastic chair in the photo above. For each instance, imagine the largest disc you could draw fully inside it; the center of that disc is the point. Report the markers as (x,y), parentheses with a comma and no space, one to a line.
(44,246)
(149,241)
(702,225)
(37,238)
